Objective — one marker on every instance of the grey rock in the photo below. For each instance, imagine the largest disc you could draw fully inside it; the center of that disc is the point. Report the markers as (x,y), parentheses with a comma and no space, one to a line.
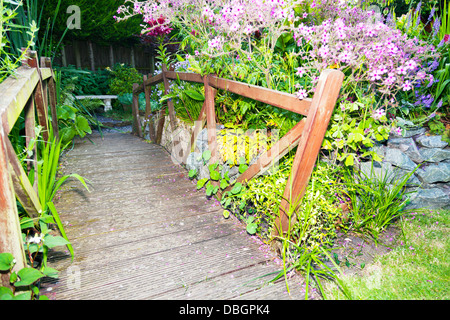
(435,154)
(399,159)
(400,174)
(193,162)
(380,171)
(432,173)
(204,173)
(431,141)
(380,150)
(413,132)
(233,172)
(433,198)
(408,146)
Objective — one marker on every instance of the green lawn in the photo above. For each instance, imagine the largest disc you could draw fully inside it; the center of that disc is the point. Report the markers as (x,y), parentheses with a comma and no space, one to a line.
(418,268)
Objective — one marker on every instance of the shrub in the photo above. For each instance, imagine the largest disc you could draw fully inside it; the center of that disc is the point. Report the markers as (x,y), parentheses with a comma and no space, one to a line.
(123,78)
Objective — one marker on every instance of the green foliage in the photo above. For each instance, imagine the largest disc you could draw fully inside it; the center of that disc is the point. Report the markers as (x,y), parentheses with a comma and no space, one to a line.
(349,134)
(13,37)
(376,201)
(123,78)
(86,82)
(97,23)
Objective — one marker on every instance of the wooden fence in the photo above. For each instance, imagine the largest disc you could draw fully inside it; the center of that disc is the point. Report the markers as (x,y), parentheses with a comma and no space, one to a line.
(86,54)
(308,134)
(31,90)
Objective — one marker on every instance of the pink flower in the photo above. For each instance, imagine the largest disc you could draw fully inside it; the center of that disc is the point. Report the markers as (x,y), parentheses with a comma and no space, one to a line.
(302,94)
(407,86)
(447,38)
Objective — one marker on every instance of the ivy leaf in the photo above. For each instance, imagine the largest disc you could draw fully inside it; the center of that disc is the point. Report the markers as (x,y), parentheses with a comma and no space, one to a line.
(226,214)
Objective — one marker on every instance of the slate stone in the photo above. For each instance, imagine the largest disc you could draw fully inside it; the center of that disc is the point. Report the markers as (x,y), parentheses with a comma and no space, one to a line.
(435,154)
(399,159)
(413,132)
(400,174)
(432,173)
(433,198)
(431,141)
(380,150)
(407,146)
(380,171)
(192,162)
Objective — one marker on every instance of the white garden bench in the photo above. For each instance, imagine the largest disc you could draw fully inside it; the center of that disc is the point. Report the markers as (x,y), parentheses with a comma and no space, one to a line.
(106,99)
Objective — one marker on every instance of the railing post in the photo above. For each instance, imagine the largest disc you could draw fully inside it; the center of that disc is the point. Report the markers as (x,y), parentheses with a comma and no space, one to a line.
(148,110)
(322,106)
(210,119)
(10,232)
(135,108)
(41,103)
(47,63)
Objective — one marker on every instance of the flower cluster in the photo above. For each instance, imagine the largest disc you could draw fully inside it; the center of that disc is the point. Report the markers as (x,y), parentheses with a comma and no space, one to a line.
(215,23)
(351,39)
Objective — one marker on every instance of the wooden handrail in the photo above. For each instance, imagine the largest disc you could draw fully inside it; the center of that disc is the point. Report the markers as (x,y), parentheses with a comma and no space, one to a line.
(308,134)
(31,89)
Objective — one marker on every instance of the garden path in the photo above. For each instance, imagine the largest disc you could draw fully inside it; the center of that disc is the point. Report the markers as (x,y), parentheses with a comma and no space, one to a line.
(145,232)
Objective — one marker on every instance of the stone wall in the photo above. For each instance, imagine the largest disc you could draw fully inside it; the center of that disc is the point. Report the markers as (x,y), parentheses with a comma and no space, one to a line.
(402,154)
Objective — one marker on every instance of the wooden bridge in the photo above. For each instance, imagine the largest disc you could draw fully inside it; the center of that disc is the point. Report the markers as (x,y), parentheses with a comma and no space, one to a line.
(144,231)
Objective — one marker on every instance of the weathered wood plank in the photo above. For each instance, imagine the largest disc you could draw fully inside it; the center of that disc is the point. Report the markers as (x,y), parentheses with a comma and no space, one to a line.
(24,191)
(141,239)
(14,94)
(324,100)
(275,98)
(184,76)
(10,235)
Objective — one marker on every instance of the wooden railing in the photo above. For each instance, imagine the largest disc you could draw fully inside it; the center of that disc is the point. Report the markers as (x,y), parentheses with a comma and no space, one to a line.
(30,89)
(308,134)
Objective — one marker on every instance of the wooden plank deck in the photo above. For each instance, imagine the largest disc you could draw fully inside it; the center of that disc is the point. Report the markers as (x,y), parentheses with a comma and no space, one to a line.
(145,232)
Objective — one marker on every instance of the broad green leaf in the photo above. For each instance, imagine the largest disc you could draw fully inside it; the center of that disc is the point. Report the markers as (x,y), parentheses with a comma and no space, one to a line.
(28,276)
(26,223)
(349,160)
(242,168)
(201,183)
(54,241)
(50,272)
(226,214)
(206,155)
(215,175)
(82,124)
(194,95)
(6,261)
(6,293)
(251,228)
(223,184)
(23,296)
(192,173)
(237,188)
